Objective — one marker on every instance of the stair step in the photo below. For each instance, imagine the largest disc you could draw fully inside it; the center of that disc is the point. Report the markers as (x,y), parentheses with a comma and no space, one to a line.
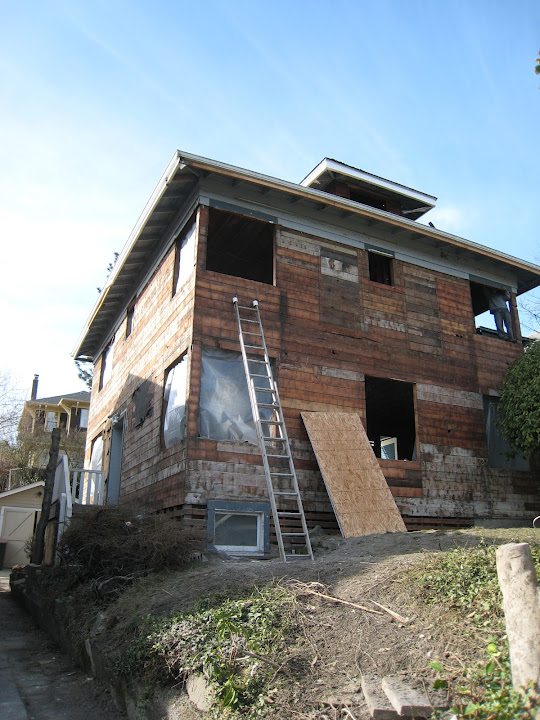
(405,700)
(378,704)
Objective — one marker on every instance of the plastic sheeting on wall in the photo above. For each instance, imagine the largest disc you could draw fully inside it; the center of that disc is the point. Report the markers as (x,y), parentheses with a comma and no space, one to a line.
(174,422)
(186,257)
(96,457)
(224,407)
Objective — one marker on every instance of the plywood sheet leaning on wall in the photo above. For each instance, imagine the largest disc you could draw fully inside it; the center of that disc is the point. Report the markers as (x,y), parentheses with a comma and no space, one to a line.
(357,488)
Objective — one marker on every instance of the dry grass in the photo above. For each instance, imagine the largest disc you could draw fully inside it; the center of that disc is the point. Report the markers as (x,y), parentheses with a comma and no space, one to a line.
(114,545)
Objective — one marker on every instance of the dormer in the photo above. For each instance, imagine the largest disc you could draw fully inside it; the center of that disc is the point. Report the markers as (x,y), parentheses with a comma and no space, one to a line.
(362,187)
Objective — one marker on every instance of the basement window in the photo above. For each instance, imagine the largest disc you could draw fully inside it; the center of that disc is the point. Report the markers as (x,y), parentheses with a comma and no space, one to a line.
(240,246)
(391,426)
(239,527)
(380,267)
(174,403)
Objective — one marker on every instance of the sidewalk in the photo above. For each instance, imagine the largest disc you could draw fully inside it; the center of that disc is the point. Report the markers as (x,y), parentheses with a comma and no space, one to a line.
(12,706)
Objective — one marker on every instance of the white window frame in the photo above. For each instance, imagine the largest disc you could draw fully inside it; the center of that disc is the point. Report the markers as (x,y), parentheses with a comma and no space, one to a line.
(389,442)
(243,549)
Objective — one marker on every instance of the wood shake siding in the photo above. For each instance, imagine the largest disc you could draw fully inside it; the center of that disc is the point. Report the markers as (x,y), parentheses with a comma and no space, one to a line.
(330,331)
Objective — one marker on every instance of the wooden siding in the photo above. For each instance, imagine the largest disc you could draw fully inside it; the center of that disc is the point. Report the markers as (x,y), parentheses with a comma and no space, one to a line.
(327,327)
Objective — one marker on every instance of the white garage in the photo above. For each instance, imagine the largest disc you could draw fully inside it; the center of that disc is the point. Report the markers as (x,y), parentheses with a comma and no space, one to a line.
(19,513)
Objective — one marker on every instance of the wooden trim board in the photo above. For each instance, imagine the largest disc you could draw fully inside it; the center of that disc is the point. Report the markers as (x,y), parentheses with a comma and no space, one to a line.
(358,491)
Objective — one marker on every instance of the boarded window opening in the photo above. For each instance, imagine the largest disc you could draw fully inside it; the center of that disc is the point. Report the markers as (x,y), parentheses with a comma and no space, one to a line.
(240,246)
(380,268)
(391,426)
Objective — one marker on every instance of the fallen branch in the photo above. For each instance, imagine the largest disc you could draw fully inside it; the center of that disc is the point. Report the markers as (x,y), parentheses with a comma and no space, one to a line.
(395,615)
(306,589)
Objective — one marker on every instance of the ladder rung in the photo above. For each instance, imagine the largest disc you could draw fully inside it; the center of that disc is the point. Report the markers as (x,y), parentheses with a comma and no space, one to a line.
(289,514)
(274,439)
(246,307)
(293,534)
(249,321)
(272,406)
(268,390)
(257,347)
(257,375)
(271,422)
(299,556)
(283,492)
(257,360)
(246,332)
(281,474)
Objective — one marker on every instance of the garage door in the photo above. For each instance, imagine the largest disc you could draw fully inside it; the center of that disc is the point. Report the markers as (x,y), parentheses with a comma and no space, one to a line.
(17,527)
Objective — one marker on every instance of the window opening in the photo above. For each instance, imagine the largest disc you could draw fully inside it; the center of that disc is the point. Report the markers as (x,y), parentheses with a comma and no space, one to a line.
(96,455)
(391,426)
(240,246)
(184,263)
(224,405)
(83,418)
(380,268)
(174,402)
(491,310)
(129,319)
(106,365)
(498,446)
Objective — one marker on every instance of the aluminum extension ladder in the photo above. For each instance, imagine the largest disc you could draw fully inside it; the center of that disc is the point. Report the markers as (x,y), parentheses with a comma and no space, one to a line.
(285,501)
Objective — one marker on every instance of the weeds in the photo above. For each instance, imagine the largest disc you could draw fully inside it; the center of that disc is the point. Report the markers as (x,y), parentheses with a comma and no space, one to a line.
(239,645)
(466,580)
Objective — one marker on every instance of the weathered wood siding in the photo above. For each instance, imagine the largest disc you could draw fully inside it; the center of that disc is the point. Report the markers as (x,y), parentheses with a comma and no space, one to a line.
(327,327)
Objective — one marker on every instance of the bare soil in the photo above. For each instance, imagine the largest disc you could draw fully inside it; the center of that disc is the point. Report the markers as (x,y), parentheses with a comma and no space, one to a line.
(339,642)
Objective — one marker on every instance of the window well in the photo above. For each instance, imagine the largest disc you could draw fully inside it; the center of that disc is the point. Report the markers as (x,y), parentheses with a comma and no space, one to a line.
(240,246)
(391,426)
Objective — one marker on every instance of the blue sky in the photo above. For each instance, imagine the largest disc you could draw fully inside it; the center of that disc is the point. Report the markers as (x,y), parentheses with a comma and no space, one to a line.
(96,96)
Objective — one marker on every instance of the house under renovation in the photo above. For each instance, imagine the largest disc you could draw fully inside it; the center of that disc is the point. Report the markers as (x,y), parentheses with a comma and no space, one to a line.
(365,312)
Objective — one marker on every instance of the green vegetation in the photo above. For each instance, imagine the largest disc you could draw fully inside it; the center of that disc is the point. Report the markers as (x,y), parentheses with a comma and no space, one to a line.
(519,404)
(466,580)
(239,645)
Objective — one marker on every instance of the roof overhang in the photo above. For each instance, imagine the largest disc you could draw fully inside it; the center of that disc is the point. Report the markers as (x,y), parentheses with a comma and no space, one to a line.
(173,196)
(413,202)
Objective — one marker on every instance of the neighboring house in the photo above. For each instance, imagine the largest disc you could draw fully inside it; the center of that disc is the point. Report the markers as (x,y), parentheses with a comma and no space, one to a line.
(19,513)
(39,416)
(68,412)
(365,310)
